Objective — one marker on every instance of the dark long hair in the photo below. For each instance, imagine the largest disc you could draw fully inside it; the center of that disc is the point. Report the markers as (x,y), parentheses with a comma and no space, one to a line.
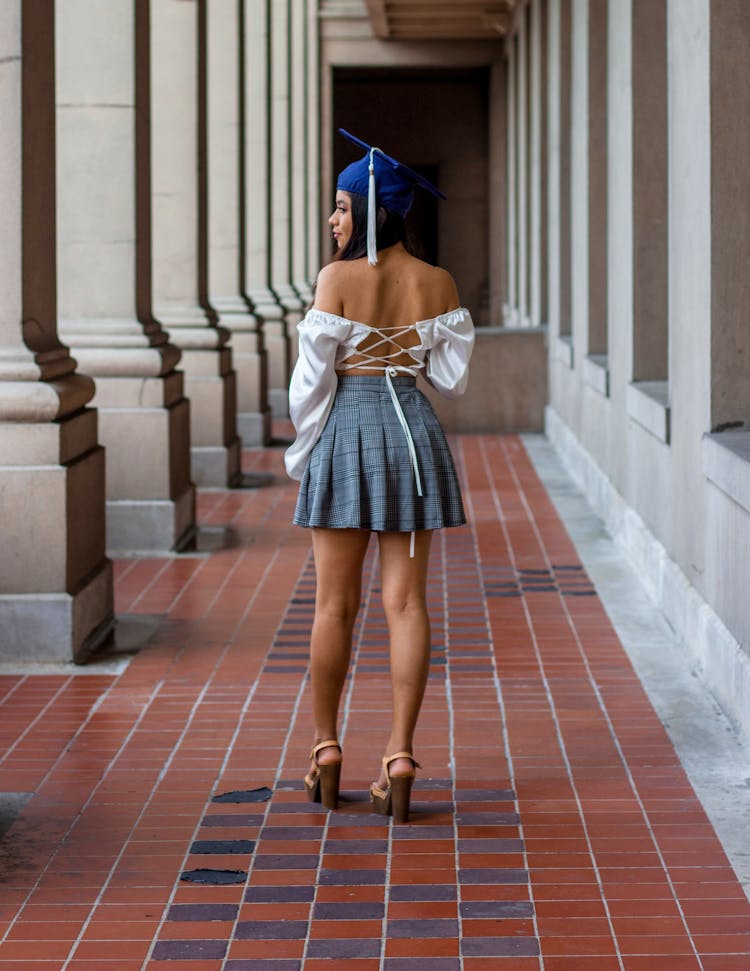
(390,230)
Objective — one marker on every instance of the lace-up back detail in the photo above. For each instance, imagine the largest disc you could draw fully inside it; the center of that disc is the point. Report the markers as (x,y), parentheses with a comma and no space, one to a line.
(388,360)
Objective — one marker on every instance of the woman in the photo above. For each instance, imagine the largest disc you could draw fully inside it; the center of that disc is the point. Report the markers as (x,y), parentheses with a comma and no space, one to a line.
(371,455)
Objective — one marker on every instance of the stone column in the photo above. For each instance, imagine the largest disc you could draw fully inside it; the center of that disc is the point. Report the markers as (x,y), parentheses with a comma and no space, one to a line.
(510,308)
(559,175)
(650,190)
(498,209)
(102,254)
(258,202)
(300,227)
(226,213)
(180,236)
(730,200)
(537,165)
(597,269)
(281,197)
(55,580)
(522,162)
(315,234)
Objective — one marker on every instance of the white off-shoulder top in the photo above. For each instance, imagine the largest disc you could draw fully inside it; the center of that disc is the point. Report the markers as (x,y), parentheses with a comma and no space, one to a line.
(327,340)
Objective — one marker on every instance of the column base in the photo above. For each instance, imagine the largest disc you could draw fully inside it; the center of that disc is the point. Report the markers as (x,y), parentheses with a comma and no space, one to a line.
(58,626)
(56,580)
(145,427)
(211,386)
(254,427)
(217,466)
(251,366)
(278,398)
(150,525)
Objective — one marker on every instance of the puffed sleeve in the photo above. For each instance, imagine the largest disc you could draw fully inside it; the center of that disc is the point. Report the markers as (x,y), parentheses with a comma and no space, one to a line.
(313,385)
(450,341)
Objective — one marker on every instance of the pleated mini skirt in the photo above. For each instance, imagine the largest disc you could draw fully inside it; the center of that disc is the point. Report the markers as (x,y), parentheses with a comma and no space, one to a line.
(361,474)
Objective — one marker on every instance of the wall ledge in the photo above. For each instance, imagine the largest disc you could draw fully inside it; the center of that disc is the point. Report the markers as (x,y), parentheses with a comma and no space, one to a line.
(563,350)
(708,645)
(480,332)
(596,373)
(726,463)
(647,403)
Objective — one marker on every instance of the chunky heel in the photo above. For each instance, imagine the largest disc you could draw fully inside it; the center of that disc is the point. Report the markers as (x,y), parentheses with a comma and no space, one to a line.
(328,784)
(401,797)
(322,782)
(395,799)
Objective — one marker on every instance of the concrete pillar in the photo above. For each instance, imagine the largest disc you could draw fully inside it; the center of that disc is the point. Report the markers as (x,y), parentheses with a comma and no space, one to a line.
(522,163)
(226,214)
(565,41)
(537,166)
(597,340)
(510,310)
(730,203)
(180,236)
(143,413)
(579,157)
(259,214)
(650,190)
(55,580)
(620,202)
(281,199)
(314,121)
(300,226)
(558,197)
(498,209)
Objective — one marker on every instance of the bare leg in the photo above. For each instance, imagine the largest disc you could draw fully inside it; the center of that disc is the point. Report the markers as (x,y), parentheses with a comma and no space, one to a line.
(339,554)
(404,586)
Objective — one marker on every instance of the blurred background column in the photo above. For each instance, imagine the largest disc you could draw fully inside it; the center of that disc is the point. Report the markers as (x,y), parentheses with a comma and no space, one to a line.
(226,214)
(284,219)
(55,580)
(103,273)
(259,214)
(301,161)
(180,236)
(315,231)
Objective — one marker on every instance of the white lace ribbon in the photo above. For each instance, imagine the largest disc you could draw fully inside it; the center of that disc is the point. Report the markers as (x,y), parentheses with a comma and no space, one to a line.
(392,372)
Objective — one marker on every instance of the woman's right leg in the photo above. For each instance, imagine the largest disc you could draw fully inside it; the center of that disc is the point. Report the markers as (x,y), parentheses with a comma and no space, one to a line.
(339,555)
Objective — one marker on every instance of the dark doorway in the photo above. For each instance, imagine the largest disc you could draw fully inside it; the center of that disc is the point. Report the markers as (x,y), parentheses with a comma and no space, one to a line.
(436,122)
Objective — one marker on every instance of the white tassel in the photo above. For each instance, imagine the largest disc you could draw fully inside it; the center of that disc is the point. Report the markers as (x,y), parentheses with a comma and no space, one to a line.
(372,214)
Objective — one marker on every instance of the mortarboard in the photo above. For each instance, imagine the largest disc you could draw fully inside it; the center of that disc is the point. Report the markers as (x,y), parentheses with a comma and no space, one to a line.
(385,181)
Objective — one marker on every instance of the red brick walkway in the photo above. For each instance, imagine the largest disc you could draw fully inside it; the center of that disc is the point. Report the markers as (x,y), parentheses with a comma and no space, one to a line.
(554,827)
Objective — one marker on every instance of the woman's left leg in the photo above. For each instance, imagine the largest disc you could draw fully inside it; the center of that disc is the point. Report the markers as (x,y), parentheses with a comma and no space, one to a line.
(339,555)
(404,594)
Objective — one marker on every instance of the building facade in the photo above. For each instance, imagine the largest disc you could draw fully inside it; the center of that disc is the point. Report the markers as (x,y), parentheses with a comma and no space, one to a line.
(168,168)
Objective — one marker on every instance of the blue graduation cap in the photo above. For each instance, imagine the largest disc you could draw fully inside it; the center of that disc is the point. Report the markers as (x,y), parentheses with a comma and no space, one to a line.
(385,181)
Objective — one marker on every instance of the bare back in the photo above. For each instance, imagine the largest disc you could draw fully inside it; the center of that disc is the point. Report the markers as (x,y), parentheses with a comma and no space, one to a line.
(395,294)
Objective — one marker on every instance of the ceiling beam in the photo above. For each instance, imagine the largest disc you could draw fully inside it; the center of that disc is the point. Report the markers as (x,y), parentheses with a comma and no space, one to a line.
(440,19)
(378,18)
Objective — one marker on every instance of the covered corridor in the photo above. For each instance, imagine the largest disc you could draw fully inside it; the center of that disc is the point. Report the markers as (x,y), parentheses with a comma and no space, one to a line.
(554,828)
(166,170)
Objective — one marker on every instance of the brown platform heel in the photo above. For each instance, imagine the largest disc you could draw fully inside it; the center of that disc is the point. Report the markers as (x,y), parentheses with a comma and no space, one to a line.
(395,798)
(322,782)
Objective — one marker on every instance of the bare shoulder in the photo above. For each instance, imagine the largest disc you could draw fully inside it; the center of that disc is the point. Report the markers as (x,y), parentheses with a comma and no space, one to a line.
(443,286)
(330,287)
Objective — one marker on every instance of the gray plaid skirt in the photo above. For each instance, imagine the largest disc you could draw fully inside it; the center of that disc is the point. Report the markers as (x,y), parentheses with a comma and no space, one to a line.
(360,473)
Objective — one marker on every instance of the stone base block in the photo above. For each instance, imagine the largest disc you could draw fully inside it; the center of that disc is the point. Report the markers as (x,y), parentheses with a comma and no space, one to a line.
(507,388)
(57,626)
(214,466)
(254,428)
(148,526)
(278,398)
